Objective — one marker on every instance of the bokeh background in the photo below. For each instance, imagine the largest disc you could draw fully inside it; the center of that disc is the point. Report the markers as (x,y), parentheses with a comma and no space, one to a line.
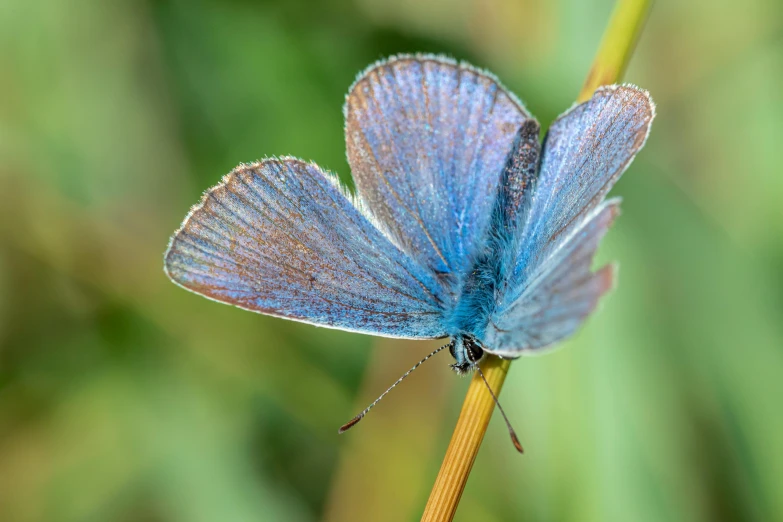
(125,398)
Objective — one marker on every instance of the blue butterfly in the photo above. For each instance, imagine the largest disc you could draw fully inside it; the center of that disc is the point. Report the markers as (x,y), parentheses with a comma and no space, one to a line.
(463,224)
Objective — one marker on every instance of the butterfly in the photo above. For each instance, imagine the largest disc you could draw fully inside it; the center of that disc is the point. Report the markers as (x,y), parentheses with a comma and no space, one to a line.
(462,225)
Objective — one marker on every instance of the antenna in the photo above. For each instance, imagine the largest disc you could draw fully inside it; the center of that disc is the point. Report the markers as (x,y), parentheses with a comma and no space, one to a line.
(353,422)
(511,431)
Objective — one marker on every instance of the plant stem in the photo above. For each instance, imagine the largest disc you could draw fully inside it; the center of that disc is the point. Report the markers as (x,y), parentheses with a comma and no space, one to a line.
(608,67)
(465,442)
(616,46)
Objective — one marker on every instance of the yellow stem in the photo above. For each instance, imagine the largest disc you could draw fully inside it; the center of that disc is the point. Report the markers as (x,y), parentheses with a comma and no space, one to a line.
(465,442)
(608,67)
(617,45)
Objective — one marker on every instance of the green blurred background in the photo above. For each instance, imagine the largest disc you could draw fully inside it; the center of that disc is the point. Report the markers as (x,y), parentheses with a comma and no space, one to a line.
(125,398)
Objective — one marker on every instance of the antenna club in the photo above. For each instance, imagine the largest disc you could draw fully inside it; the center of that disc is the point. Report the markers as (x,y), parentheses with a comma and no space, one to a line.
(517,444)
(350,424)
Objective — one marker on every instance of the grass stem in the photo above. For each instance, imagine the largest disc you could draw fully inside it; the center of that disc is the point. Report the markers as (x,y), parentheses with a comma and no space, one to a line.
(465,443)
(617,45)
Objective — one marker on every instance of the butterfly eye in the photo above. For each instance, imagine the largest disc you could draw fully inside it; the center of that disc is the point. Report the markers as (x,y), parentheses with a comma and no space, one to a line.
(452,349)
(475,352)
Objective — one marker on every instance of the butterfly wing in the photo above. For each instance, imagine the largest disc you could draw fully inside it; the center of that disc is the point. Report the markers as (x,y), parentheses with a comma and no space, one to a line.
(427,139)
(550,289)
(282,238)
(558,299)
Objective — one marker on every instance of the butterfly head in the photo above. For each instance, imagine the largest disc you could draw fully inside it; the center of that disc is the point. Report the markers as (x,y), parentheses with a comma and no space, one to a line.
(467,352)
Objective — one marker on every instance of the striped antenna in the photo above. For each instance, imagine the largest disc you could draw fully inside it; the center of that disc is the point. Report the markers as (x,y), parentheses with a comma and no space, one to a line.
(514,438)
(353,422)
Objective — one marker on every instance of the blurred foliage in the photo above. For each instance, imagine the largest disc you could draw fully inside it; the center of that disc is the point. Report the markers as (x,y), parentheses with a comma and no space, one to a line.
(124,398)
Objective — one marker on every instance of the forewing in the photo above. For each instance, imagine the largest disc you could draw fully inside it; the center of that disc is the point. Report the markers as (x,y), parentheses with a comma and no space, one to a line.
(282,238)
(551,289)
(559,298)
(585,152)
(427,139)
